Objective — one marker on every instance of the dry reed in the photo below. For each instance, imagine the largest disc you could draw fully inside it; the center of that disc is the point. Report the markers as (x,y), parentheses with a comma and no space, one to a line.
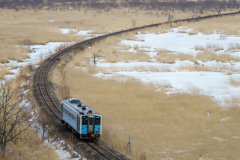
(228,25)
(169,57)
(166,124)
(193,32)
(11,52)
(178,125)
(210,56)
(71,31)
(29,144)
(4,71)
(234,82)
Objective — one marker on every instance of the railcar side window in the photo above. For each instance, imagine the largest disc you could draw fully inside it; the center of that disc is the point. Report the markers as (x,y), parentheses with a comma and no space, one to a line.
(84,120)
(70,115)
(97,120)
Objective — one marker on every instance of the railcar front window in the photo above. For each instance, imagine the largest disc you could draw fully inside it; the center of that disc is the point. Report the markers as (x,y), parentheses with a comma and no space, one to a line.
(97,120)
(84,120)
(90,121)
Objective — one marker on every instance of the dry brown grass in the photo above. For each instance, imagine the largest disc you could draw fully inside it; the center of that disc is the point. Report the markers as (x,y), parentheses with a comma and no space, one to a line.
(4,71)
(28,26)
(140,56)
(199,47)
(201,68)
(16,26)
(160,29)
(62,46)
(194,32)
(229,25)
(214,46)
(30,145)
(210,56)
(218,68)
(234,82)
(108,50)
(34,148)
(234,47)
(11,52)
(71,31)
(176,126)
(136,47)
(166,56)
(125,47)
(166,124)
(210,47)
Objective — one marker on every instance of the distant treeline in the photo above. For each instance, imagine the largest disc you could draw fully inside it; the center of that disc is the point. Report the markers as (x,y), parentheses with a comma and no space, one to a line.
(183,5)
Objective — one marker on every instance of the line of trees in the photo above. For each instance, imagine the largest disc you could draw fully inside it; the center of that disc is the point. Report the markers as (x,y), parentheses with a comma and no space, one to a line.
(108,4)
(14,117)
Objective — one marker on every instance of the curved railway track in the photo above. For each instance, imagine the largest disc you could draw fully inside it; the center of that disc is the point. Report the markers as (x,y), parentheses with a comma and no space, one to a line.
(43,77)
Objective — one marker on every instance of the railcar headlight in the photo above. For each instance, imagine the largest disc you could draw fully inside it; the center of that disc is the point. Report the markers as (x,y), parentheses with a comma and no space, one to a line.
(97,131)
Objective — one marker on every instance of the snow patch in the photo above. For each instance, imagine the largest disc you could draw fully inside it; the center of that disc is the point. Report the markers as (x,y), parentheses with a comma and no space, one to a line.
(81,32)
(181,42)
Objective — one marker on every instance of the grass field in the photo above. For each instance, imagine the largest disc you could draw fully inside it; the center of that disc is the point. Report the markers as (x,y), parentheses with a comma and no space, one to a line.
(224,25)
(178,126)
(175,126)
(3,72)
(43,26)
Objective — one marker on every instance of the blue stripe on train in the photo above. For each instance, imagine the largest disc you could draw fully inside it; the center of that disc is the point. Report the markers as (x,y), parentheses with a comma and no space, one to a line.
(97,128)
(83,129)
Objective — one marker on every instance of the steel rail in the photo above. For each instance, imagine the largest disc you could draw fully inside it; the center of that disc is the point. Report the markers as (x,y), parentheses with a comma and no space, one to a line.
(49,63)
(105,152)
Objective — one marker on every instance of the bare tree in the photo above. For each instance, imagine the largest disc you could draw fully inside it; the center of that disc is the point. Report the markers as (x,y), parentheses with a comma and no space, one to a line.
(44,121)
(67,22)
(27,42)
(14,117)
(95,56)
(134,22)
(116,53)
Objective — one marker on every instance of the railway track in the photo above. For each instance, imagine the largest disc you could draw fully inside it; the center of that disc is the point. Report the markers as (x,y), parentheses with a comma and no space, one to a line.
(43,84)
(103,151)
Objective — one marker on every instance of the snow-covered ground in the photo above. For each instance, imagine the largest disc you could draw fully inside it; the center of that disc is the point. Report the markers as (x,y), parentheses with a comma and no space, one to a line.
(181,42)
(214,83)
(40,52)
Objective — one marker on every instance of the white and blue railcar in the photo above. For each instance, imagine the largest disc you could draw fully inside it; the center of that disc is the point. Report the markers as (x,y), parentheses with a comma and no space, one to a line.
(81,119)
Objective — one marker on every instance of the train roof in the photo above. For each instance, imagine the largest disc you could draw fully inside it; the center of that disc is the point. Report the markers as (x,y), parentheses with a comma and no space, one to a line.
(78,106)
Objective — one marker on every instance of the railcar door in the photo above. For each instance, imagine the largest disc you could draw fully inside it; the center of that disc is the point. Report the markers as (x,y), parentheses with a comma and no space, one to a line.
(90,125)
